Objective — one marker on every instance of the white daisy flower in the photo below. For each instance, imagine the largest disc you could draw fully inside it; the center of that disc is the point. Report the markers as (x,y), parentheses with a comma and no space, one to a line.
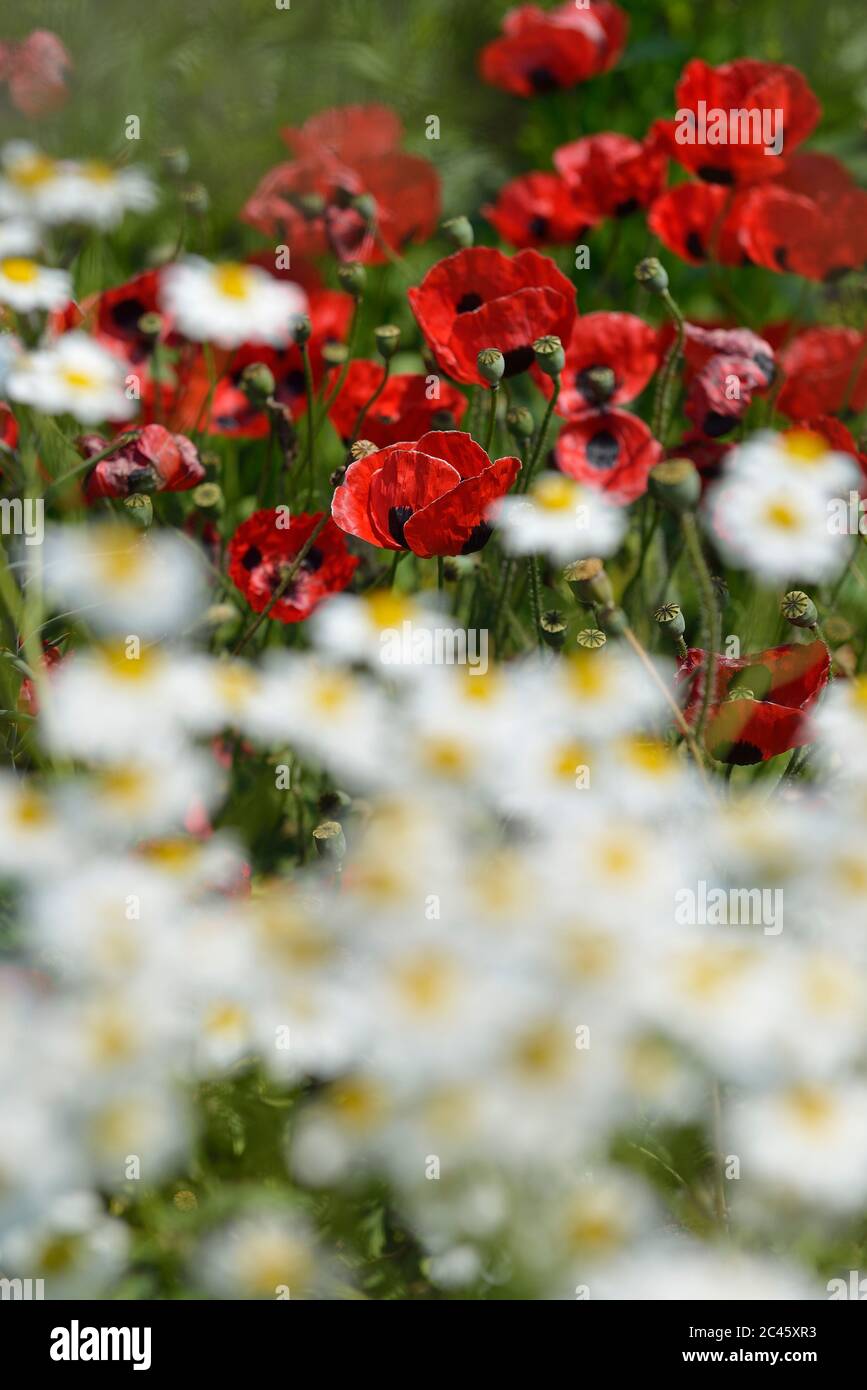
(81,191)
(559,518)
(267,1254)
(25,285)
(73,375)
(776,526)
(800,455)
(230,303)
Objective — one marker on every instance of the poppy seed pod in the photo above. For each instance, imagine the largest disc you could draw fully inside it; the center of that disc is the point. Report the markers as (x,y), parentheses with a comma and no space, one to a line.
(334,354)
(799,609)
(589,582)
(330,841)
(652,275)
(302,330)
(591,638)
(208,497)
(257,383)
(140,509)
(552,625)
(671,620)
(387,340)
(365,206)
(675,484)
(550,355)
(353,278)
(491,364)
(459,232)
(361,449)
(520,422)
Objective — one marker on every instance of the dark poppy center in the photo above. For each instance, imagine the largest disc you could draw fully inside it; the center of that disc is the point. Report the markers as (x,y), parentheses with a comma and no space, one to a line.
(478,537)
(397,519)
(470,301)
(251,558)
(695,246)
(625,208)
(781,256)
(712,173)
(602,450)
(739,752)
(538,227)
(312,560)
(518,360)
(765,365)
(292,385)
(715,424)
(542,80)
(127,312)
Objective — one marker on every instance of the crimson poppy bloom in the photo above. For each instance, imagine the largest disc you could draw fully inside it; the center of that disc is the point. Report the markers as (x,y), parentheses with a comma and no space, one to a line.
(8,427)
(156,461)
(609,449)
(750,88)
(626,344)
(231,411)
(342,154)
(820,366)
(35,71)
(431,497)
(481,298)
(403,411)
(820,236)
(704,342)
(262,550)
(546,50)
(699,222)
(760,702)
(538,210)
(612,175)
(114,316)
(721,393)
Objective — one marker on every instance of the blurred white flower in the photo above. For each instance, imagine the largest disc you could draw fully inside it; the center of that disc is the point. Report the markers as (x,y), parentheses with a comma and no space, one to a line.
(73,375)
(230,303)
(559,518)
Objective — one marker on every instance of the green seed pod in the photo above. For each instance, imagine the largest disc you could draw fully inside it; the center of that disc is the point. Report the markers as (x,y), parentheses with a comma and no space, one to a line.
(591,638)
(799,609)
(520,422)
(257,383)
(353,278)
(491,364)
(671,620)
(387,340)
(553,626)
(676,485)
(459,232)
(652,275)
(550,355)
(140,509)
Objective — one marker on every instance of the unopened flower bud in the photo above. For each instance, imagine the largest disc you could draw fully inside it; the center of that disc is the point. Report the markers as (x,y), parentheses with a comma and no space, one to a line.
(330,841)
(302,329)
(365,204)
(652,275)
(676,485)
(310,205)
(550,356)
(387,340)
(519,422)
(553,628)
(491,364)
(591,638)
(459,232)
(140,509)
(353,278)
(799,609)
(257,383)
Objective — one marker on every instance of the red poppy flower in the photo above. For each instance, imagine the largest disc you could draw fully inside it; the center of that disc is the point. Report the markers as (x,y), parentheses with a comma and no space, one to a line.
(114,316)
(344,154)
(748,88)
(699,222)
(542,51)
(8,427)
(430,497)
(231,411)
(777,689)
(262,550)
(28,700)
(821,236)
(609,449)
(612,175)
(156,461)
(704,342)
(538,210)
(626,344)
(35,71)
(821,369)
(404,411)
(480,298)
(722,392)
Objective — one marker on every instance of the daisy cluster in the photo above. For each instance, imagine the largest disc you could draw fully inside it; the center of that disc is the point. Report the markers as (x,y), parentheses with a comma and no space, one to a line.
(408,887)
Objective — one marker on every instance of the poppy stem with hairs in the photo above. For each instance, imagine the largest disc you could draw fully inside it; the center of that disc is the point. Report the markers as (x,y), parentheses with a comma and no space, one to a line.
(310,393)
(492,418)
(362,414)
(662,401)
(501,604)
(282,586)
(535,597)
(392,574)
(711,621)
(540,440)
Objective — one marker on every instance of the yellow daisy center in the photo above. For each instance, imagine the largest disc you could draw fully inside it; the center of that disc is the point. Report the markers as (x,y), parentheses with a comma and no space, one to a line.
(233,280)
(782,516)
(32,170)
(803,446)
(554,494)
(19,270)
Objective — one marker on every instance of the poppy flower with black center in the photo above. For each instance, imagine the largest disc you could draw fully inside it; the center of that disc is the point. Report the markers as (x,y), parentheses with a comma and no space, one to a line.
(114,316)
(824,368)
(749,88)
(231,411)
(155,461)
(721,393)
(404,411)
(548,50)
(625,344)
(760,702)
(699,222)
(609,449)
(342,154)
(821,236)
(262,551)
(612,175)
(430,497)
(538,210)
(703,342)
(480,298)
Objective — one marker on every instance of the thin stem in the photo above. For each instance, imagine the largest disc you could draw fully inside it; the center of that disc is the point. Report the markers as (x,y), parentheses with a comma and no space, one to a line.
(662,399)
(535,596)
(711,624)
(310,393)
(338,386)
(540,440)
(630,637)
(370,403)
(492,417)
(283,585)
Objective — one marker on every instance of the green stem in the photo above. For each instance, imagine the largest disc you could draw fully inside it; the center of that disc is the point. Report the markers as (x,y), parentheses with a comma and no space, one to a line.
(662,402)
(492,418)
(283,585)
(711,622)
(540,440)
(310,393)
(535,597)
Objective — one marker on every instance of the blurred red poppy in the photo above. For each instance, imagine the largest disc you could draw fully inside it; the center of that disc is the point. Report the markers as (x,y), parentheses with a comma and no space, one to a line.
(753,92)
(545,50)
(820,237)
(430,497)
(699,222)
(155,461)
(721,393)
(622,342)
(480,298)
(759,701)
(609,449)
(35,71)
(262,550)
(704,342)
(822,367)
(538,210)
(404,411)
(612,175)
